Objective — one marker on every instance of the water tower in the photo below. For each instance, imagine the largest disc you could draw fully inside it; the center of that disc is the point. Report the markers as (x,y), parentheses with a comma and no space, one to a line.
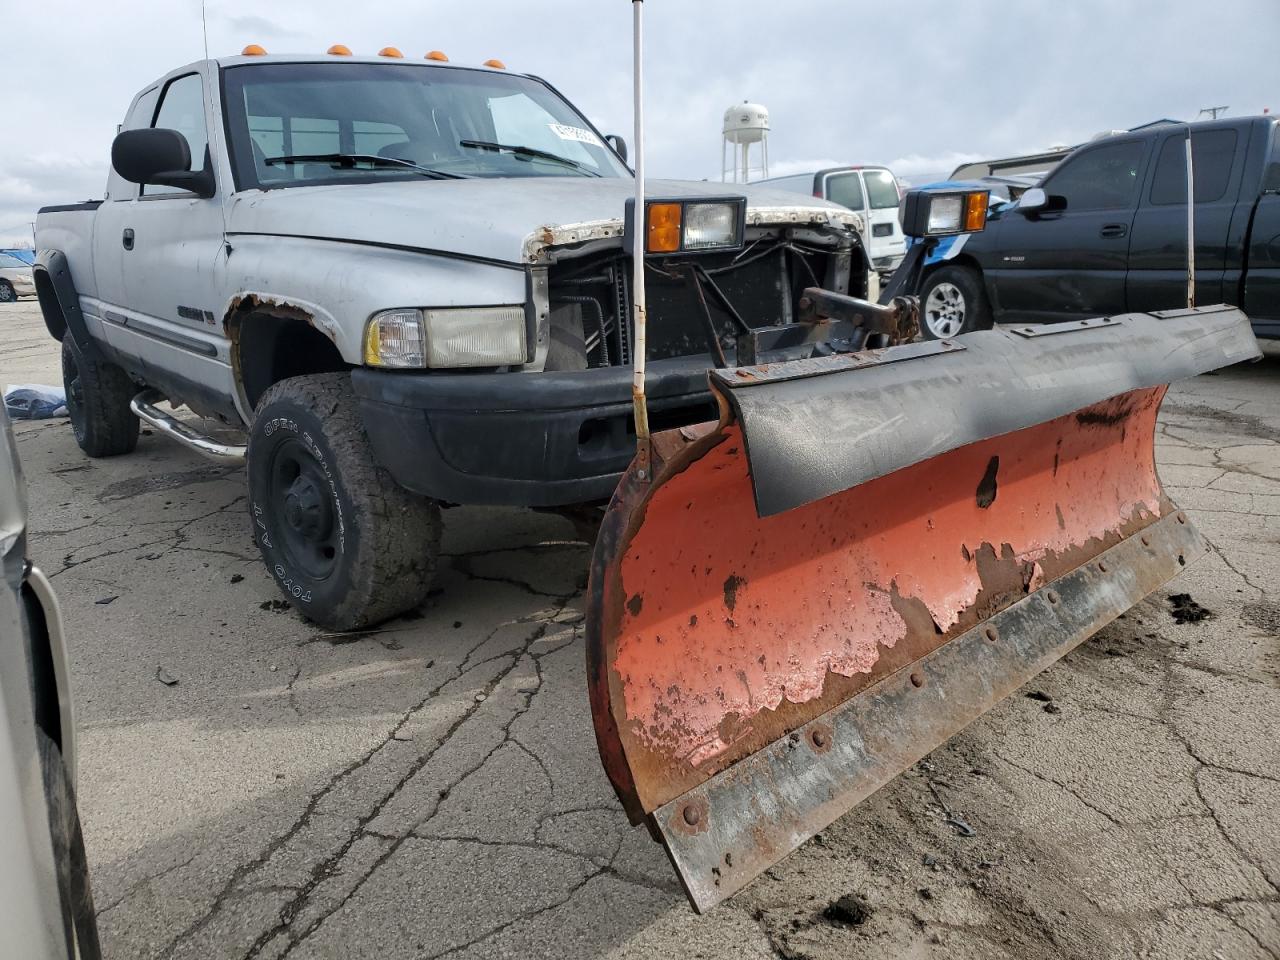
(745,124)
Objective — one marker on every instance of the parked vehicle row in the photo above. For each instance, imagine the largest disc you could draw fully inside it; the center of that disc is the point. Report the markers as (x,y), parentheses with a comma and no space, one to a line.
(16,279)
(1105,233)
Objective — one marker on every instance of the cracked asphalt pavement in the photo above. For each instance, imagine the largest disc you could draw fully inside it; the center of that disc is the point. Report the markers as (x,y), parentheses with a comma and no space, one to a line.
(431,788)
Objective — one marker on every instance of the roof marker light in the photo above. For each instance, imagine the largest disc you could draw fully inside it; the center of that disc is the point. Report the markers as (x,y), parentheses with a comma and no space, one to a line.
(391,52)
(437,55)
(496,64)
(253,50)
(339,50)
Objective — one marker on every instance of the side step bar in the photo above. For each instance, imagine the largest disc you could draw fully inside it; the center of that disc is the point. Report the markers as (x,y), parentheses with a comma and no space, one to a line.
(145,409)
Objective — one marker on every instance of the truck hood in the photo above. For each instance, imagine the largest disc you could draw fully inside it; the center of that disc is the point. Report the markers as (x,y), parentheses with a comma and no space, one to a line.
(507,220)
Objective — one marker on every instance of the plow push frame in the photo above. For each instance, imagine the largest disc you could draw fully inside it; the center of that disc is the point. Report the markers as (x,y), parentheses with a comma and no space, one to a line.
(865,552)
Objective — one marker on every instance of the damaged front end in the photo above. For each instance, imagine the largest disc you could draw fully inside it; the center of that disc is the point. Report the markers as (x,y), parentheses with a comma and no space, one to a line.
(718,306)
(861,555)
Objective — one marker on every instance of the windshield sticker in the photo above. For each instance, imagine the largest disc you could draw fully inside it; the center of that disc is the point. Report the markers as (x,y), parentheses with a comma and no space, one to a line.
(565,132)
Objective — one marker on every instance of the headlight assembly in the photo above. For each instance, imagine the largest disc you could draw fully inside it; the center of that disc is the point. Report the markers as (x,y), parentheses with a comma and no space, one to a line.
(446,337)
(696,225)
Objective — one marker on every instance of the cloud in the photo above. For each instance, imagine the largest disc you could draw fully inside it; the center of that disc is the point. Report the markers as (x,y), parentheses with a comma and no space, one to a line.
(918,86)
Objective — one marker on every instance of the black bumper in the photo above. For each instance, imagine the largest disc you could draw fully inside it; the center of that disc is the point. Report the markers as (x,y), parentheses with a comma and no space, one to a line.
(522,439)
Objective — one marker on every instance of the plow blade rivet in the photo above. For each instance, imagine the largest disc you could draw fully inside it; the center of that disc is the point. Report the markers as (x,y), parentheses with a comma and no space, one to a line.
(1052,597)
(1182,559)
(1146,540)
(917,680)
(992,634)
(819,738)
(1182,518)
(1102,565)
(692,816)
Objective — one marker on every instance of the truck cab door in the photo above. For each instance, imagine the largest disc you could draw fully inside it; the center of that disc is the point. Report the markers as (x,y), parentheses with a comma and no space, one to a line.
(174,264)
(1070,262)
(1158,251)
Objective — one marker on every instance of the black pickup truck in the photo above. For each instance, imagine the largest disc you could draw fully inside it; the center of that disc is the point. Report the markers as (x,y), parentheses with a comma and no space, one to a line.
(1106,233)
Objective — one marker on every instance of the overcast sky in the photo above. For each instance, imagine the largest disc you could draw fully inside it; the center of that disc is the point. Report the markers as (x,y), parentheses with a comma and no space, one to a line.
(920,86)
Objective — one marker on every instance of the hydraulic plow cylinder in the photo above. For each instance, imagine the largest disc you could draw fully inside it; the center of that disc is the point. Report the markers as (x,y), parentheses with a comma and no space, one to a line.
(863,555)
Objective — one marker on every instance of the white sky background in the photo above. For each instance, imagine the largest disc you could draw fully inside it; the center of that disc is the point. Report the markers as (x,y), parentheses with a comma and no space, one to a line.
(921,86)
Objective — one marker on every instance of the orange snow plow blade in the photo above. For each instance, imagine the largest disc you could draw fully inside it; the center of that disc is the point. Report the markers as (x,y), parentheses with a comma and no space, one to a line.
(868,551)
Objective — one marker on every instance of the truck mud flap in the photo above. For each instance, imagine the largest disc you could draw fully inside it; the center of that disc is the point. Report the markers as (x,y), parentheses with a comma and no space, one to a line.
(865,553)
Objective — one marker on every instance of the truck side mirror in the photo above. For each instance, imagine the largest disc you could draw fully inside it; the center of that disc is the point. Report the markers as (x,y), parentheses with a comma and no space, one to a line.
(1035,201)
(160,157)
(619,145)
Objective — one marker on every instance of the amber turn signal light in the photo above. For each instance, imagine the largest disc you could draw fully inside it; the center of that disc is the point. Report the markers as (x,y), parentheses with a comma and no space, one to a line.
(663,232)
(975,211)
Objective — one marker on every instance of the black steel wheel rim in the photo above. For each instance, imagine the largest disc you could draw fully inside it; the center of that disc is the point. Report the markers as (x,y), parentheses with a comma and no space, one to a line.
(303,512)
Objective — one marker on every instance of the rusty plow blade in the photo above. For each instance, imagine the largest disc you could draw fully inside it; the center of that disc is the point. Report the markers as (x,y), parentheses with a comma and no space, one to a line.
(866,553)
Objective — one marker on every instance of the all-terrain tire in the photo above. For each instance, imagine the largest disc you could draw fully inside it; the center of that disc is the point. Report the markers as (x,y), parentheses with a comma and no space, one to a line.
(75,892)
(98,394)
(347,545)
(953,301)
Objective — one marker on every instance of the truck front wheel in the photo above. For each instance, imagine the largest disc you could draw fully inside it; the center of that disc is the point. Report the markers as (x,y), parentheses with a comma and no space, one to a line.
(347,545)
(98,394)
(952,302)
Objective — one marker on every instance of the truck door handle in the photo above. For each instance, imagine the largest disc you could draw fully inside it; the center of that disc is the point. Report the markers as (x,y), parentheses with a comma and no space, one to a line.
(1112,231)
(127,238)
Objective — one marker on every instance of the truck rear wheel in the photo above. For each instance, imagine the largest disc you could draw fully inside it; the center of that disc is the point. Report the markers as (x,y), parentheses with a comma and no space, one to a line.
(98,395)
(952,302)
(346,544)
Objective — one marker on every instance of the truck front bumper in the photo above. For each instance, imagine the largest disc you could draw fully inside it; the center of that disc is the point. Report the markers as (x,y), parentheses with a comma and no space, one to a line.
(520,439)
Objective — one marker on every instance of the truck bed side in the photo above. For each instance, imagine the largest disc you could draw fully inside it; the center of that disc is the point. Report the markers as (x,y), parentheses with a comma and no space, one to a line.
(69,229)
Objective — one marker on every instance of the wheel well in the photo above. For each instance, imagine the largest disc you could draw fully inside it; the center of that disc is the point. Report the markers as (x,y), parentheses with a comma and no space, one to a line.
(270,344)
(50,308)
(960,260)
(44,683)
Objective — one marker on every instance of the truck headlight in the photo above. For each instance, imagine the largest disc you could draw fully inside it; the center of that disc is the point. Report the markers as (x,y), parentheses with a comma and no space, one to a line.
(940,213)
(688,226)
(446,337)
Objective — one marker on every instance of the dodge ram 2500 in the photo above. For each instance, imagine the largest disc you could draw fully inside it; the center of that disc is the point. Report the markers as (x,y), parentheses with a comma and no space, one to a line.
(407,282)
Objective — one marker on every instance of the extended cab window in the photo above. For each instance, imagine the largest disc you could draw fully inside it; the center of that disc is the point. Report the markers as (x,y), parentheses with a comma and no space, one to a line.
(1102,178)
(1212,153)
(882,191)
(846,190)
(293,124)
(182,109)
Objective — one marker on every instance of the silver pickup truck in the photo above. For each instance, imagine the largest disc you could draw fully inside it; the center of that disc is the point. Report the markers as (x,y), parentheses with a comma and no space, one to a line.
(407,283)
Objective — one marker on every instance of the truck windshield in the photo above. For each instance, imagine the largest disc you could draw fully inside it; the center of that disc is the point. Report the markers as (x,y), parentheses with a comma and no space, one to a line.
(287,122)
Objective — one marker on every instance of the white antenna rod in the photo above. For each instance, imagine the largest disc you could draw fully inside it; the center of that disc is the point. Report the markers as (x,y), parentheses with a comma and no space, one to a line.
(204,27)
(1191,226)
(637,255)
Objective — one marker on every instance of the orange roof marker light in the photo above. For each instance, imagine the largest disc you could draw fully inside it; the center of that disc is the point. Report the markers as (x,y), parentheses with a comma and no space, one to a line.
(253,50)
(391,52)
(436,55)
(496,64)
(339,50)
